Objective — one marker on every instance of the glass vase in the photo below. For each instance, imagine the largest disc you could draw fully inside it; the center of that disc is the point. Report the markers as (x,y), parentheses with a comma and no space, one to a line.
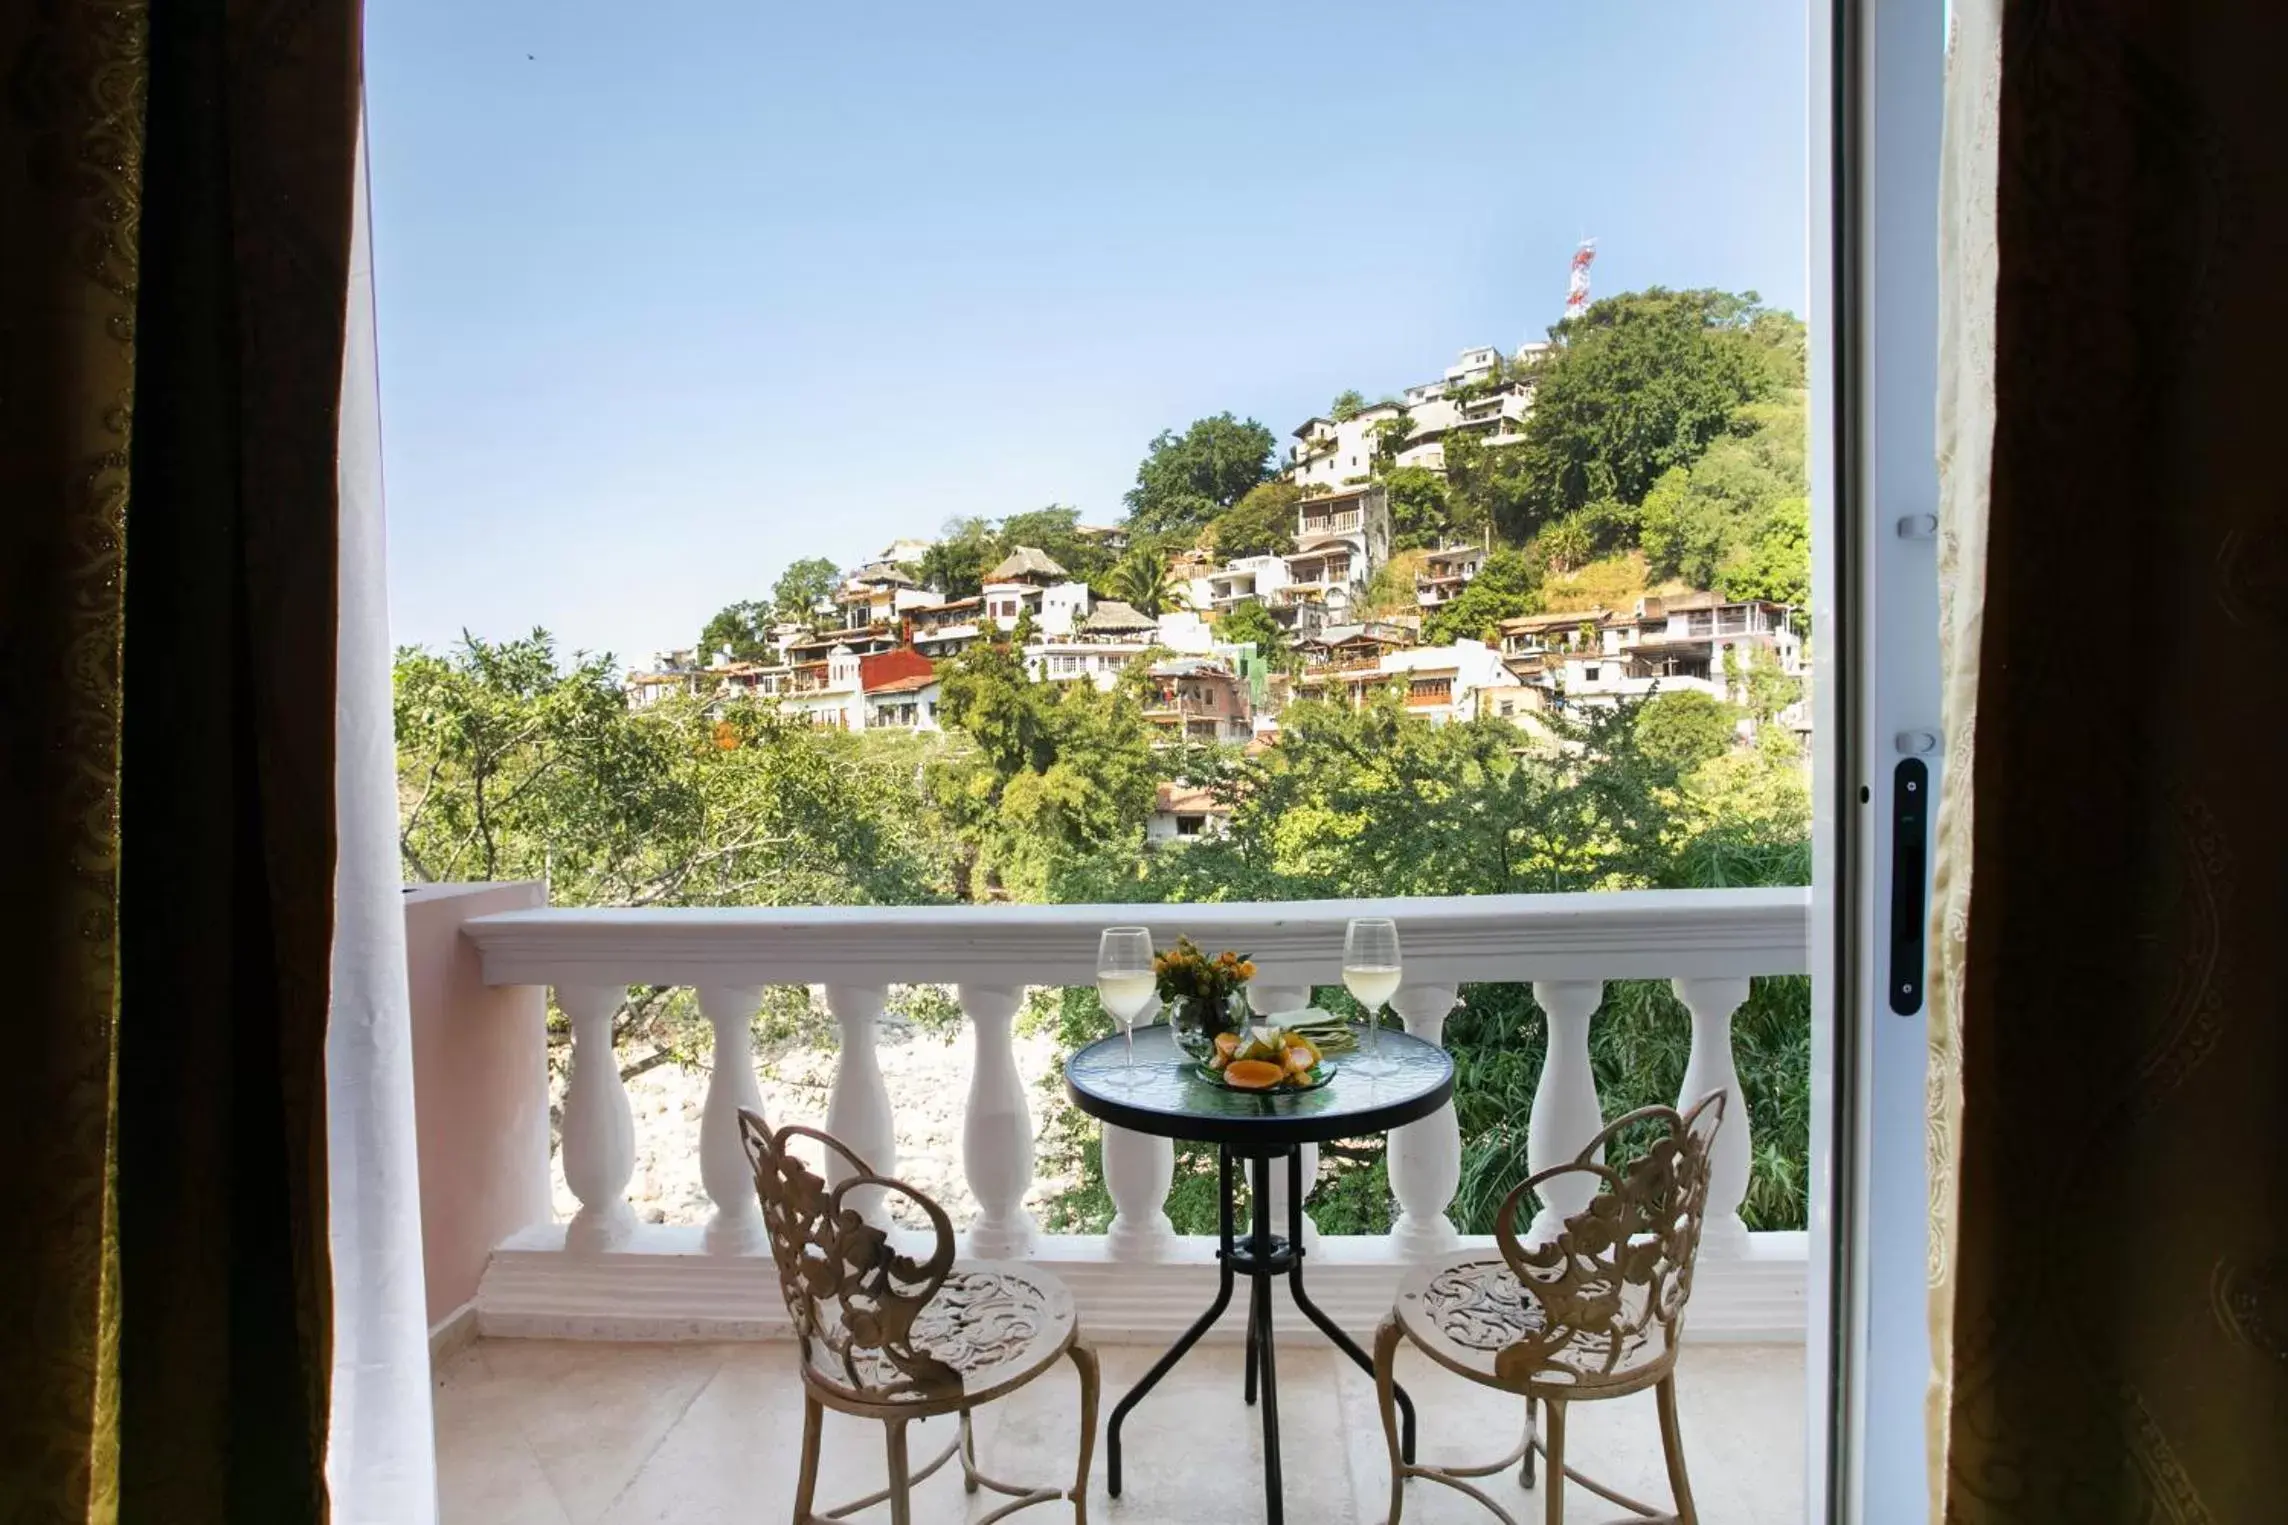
(1197,1020)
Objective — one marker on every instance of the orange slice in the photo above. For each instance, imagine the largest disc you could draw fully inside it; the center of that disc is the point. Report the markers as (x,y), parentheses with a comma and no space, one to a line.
(1253,1074)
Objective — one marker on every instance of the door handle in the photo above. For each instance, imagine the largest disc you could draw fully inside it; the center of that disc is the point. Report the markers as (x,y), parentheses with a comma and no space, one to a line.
(1910,864)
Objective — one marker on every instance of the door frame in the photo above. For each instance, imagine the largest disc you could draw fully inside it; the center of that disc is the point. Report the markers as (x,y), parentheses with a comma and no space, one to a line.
(1877,94)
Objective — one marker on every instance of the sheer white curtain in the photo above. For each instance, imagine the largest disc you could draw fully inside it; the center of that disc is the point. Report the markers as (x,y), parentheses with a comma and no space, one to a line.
(381,1465)
(1968,268)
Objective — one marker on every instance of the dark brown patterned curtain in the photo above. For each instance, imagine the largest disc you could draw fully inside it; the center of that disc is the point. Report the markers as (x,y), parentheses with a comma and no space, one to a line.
(174,237)
(2112,1272)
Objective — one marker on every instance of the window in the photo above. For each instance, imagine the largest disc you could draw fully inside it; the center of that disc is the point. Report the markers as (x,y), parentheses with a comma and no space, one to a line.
(1190,825)
(1591,674)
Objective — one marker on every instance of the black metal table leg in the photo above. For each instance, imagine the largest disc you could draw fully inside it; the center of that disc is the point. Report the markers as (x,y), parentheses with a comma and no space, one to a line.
(1184,1342)
(1262,1249)
(1317,1315)
(1255,1317)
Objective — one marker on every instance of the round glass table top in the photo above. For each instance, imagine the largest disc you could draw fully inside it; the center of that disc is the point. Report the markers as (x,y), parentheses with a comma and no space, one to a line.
(1170,1098)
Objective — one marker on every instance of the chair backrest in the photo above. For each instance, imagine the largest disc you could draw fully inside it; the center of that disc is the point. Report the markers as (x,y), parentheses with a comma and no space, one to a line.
(1612,1284)
(852,1296)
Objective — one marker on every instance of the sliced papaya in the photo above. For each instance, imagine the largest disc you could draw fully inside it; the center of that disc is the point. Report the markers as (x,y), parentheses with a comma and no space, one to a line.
(1253,1074)
(1300,1061)
(1227,1044)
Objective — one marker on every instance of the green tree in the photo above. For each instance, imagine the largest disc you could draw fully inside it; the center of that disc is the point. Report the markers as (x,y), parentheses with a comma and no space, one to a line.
(799,588)
(1388,436)
(742,629)
(1140,580)
(1642,383)
(1504,588)
(964,552)
(1055,530)
(1260,524)
(1686,728)
(1486,485)
(1051,774)
(1776,562)
(1347,405)
(1253,622)
(1187,479)
(1420,519)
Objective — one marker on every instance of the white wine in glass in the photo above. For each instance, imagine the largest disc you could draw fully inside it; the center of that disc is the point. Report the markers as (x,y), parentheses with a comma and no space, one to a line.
(1371,975)
(1127,984)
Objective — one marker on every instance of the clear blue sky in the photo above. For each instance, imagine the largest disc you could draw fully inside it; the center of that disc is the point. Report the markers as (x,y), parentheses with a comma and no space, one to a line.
(674,293)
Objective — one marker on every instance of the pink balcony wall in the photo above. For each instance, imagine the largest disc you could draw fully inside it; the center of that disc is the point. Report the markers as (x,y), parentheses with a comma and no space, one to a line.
(480,1087)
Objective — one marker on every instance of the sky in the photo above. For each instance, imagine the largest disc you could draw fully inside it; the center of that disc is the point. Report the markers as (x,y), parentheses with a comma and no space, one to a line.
(671,294)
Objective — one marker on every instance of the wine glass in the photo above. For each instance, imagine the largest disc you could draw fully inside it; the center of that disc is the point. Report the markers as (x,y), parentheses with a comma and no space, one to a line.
(1370,973)
(1127,984)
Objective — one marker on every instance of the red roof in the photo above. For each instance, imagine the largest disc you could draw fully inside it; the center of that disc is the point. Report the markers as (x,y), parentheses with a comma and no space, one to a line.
(903,685)
(891,671)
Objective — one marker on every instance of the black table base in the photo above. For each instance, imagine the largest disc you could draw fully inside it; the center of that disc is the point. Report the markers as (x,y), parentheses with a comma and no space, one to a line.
(1260,1257)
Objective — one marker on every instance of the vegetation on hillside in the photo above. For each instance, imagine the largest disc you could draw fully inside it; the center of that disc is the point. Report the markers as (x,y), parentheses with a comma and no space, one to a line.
(1664,450)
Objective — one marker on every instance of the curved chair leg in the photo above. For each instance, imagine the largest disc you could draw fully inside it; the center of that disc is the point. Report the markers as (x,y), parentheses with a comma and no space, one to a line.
(968,1443)
(1525,1462)
(901,1482)
(1091,1380)
(806,1487)
(1672,1445)
(1555,1508)
(1386,1340)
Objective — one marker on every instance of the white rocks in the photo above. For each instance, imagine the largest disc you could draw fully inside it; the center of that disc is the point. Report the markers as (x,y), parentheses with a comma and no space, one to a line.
(928,1081)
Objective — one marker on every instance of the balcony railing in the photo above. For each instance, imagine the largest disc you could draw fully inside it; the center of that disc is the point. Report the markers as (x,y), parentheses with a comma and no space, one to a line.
(607,1275)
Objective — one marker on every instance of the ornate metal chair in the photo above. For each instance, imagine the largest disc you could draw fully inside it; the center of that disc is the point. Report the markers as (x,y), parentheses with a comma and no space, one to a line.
(885,1336)
(1595,1312)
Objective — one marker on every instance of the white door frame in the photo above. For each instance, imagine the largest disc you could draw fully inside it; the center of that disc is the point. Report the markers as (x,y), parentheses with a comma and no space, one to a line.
(1877,84)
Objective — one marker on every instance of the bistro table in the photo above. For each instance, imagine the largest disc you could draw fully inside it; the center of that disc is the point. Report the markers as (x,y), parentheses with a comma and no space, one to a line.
(1170,1099)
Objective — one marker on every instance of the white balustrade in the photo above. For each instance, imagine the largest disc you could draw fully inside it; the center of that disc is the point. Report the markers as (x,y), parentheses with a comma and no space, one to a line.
(1426,1156)
(997,1130)
(1706,944)
(1712,1003)
(1267,997)
(737,1224)
(858,1108)
(599,1145)
(1566,1114)
(1138,1170)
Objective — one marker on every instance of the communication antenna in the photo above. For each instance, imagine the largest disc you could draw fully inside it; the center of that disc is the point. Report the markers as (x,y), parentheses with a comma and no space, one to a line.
(1577,286)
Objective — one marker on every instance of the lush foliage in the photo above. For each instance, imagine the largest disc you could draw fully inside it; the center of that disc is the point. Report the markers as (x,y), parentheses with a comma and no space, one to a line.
(1187,479)
(1642,383)
(1379,802)
(1259,524)
(1504,588)
(1253,623)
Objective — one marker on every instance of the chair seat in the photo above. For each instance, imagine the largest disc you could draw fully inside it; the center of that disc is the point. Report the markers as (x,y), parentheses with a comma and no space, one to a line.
(998,1324)
(1464,1311)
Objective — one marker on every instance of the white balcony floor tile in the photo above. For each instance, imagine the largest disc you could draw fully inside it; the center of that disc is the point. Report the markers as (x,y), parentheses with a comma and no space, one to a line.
(534,1432)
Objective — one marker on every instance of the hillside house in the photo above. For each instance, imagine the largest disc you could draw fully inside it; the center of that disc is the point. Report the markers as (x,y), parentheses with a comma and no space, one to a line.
(1182,813)
(1445,574)
(1198,699)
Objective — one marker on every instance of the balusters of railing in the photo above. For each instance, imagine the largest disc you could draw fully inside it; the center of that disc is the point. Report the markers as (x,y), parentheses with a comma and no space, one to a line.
(737,1224)
(997,1129)
(599,1144)
(1138,1170)
(1566,1113)
(1268,998)
(858,1108)
(1425,1156)
(1712,1003)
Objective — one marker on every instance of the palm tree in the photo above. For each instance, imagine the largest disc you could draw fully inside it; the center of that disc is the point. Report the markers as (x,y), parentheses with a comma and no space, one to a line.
(1140,580)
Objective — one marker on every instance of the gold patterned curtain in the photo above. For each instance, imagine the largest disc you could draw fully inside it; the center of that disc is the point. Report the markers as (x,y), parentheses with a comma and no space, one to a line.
(175,199)
(2110,1014)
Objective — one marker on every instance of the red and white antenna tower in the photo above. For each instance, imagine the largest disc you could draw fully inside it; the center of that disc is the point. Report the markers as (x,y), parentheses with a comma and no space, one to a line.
(1577,287)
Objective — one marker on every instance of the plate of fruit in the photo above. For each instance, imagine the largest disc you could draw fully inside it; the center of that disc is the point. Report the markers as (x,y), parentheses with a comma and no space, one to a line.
(1269,1059)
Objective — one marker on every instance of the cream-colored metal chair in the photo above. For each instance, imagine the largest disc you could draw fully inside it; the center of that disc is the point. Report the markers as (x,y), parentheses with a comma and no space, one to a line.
(1594,1313)
(889,1337)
